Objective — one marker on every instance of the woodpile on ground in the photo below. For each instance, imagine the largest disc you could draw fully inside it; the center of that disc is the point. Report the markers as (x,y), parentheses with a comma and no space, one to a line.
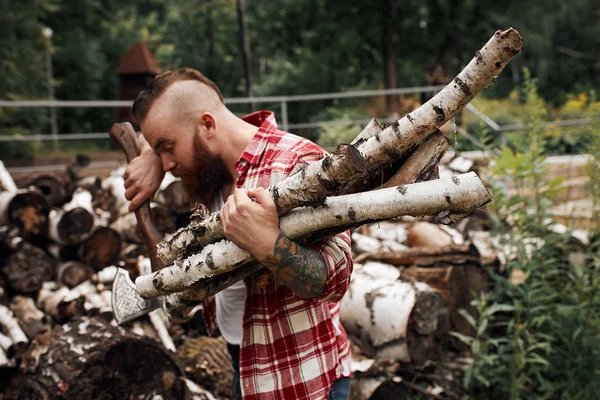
(62,240)
(58,337)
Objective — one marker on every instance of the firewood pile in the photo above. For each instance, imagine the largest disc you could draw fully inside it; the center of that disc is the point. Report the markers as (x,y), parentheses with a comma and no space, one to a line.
(62,240)
(64,236)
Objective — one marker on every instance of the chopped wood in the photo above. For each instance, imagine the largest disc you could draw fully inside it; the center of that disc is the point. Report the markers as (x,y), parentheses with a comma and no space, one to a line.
(208,363)
(11,327)
(418,199)
(30,318)
(90,359)
(6,181)
(52,188)
(351,163)
(365,313)
(28,267)
(423,256)
(101,249)
(25,209)
(72,273)
(425,234)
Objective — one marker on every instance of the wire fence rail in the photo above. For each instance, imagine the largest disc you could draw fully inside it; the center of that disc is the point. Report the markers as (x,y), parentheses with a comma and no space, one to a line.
(283,102)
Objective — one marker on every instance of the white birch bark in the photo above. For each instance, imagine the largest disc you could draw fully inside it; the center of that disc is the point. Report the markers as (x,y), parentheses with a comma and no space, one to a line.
(73,223)
(11,327)
(443,197)
(349,164)
(365,309)
(6,180)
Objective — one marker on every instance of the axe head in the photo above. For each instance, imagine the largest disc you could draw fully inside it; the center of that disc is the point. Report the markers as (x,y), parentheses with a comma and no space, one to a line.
(127,304)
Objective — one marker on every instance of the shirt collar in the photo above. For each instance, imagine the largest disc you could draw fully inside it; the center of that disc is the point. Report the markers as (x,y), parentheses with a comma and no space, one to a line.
(266,123)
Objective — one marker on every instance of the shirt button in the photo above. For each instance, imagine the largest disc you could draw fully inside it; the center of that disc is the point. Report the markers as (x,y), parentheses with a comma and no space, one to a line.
(247,382)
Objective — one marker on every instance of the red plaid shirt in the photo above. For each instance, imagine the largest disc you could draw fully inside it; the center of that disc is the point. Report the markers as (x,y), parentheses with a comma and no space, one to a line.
(291,348)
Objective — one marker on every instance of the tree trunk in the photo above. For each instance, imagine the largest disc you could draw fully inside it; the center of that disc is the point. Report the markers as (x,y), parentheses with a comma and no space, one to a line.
(458,283)
(245,48)
(90,359)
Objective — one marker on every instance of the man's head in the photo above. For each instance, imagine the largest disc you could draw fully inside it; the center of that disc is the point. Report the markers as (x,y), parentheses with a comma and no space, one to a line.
(178,114)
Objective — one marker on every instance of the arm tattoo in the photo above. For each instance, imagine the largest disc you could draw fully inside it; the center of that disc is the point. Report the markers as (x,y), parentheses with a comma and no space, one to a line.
(302,269)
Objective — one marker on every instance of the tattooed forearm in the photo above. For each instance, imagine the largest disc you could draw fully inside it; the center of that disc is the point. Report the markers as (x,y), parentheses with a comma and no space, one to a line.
(302,269)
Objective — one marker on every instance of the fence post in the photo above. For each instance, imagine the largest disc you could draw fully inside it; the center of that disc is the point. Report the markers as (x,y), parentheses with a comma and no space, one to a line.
(284,115)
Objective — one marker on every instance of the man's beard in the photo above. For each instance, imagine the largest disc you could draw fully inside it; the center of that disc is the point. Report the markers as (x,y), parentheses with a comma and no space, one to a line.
(207,175)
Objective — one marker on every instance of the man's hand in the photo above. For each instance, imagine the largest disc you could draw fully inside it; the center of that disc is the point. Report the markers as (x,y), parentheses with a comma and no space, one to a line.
(250,220)
(143,176)
(254,227)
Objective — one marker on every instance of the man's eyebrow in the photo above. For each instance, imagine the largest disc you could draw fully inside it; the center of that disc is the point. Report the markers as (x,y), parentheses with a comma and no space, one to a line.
(159,143)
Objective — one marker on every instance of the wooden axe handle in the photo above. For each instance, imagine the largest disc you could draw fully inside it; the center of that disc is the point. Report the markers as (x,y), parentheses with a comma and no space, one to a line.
(125,135)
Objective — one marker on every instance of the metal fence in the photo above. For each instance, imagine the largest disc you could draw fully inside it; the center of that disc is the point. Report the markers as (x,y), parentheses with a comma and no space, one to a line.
(283,101)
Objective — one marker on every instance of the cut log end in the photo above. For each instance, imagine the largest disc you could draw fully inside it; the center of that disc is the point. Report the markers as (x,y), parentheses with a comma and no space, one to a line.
(101,249)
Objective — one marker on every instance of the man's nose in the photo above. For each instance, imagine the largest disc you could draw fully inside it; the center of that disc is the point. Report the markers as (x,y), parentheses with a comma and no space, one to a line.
(168,164)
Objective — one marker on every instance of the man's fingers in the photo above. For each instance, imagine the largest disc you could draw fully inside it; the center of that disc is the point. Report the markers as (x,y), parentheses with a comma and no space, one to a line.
(131,192)
(137,201)
(261,195)
(241,198)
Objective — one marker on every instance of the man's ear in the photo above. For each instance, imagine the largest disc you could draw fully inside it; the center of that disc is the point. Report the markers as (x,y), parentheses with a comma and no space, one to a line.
(208,124)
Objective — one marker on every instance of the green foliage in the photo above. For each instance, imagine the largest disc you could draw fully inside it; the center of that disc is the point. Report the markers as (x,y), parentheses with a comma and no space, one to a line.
(537,333)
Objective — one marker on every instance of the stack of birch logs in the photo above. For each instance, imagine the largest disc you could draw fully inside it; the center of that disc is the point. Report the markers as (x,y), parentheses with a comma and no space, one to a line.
(58,238)
(61,240)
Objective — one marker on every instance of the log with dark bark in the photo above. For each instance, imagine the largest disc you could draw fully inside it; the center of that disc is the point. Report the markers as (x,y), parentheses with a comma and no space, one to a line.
(25,209)
(424,256)
(208,363)
(31,319)
(72,273)
(459,284)
(101,249)
(90,359)
(173,195)
(52,188)
(28,267)
(129,229)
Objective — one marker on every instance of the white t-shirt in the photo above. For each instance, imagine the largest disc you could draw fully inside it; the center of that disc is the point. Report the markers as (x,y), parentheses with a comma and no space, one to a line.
(230,302)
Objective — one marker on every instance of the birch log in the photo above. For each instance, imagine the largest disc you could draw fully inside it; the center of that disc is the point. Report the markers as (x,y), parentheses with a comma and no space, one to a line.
(365,312)
(28,267)
(127,225)
(11,326)
(25,209)
(101,249)
(351,163)
(72,273)
(88,359)
(30,318)
(173,195)
(72,223)
(52,188)
(6,181)
(444,196)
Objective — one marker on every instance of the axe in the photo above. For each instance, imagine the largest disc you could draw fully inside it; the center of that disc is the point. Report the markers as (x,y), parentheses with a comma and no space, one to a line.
(127,304)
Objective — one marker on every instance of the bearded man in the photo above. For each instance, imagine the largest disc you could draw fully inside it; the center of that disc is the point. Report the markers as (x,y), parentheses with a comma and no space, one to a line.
(285,336)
